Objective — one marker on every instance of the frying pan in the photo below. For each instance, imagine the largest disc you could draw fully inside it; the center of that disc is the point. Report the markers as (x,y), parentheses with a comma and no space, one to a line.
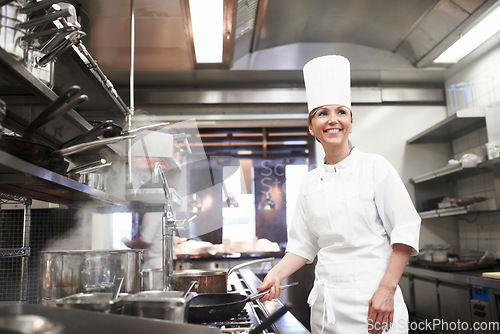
(113,130)
(60,106)
(44,155)
(214,307)
(108,129)
(35,152)
(47,157)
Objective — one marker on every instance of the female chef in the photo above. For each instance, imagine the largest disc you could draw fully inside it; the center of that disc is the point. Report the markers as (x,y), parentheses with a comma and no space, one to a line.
(354,213)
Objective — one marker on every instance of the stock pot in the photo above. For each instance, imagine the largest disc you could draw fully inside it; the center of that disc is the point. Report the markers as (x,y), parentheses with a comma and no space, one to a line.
(66,273)
(11,35)
(212,281)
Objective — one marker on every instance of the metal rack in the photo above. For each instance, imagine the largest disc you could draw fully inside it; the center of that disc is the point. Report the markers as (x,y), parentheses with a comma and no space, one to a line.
(15,251)
(25,230)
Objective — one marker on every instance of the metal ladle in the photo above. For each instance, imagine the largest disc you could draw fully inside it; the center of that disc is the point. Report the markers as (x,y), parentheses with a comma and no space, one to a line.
(194,284)
(116,289)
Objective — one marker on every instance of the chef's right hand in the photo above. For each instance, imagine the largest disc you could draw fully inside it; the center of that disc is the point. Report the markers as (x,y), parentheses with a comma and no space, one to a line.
(272,283)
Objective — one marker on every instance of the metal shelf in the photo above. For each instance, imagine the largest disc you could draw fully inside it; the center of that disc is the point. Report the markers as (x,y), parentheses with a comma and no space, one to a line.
(450,128)
(458,170)
(23,178)
(14,252)
(485,206)
(104,102)
(18,87)
(24,94)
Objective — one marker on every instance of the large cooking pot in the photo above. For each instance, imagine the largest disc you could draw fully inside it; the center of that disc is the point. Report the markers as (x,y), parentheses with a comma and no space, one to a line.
(65,273)
(98,302)
(208,280)
(165,305)
(11,36)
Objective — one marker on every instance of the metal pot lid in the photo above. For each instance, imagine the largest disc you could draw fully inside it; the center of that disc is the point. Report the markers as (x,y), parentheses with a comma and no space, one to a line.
(102,251)
(160,296)
(196,272)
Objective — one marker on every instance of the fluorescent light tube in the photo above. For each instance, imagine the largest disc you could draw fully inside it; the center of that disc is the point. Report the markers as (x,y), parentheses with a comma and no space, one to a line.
(207,20)
(472,39)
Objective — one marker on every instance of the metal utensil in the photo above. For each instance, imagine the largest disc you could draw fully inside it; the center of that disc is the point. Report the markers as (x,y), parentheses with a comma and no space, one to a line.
(272,319)
(116,289)
(188,290)
(259,295)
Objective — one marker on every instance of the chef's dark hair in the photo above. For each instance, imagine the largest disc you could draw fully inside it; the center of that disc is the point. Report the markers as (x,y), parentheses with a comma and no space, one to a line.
(314,111)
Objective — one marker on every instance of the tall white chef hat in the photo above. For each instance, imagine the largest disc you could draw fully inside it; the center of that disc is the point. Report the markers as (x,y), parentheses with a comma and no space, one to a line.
(328,81)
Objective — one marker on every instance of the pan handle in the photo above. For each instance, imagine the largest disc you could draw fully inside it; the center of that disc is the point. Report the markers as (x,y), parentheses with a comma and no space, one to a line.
(151,127)
(44,19)
(259,295)
(271,320)
(81,147)
(36,5)
(92,134)
(239,266)
(73,103)
(52,111)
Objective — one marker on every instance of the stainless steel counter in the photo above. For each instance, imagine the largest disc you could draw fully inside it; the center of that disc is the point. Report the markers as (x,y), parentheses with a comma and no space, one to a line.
(85,322)
(469,277)
(287,323)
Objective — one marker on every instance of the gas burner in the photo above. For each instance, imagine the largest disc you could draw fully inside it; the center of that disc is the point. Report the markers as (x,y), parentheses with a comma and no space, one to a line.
(241,322)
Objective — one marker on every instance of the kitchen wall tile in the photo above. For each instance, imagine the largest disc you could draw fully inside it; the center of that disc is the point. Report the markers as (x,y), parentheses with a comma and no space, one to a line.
(483,230)
(466,229)
(495,248)
(489,182)
(470,143)
(494,228)
(474,138)
(484,245)
(483,134)
(468,244)
(459,145)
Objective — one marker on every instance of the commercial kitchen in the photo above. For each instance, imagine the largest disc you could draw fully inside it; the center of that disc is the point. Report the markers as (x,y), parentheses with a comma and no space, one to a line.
(111,113)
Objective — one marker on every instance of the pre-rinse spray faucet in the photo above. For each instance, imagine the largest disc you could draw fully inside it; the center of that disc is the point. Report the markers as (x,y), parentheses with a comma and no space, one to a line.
(169,224)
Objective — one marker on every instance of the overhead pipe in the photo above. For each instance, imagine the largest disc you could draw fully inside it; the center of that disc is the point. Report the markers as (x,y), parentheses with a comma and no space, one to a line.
(130,113)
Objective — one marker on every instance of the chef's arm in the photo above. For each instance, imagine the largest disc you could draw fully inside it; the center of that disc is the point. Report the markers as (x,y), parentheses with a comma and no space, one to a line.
(289,264)
(381,305)
(397,263)
(136,243)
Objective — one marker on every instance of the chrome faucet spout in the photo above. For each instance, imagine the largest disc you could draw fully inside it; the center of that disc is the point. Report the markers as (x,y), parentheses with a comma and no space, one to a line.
(169,224)
(158,173)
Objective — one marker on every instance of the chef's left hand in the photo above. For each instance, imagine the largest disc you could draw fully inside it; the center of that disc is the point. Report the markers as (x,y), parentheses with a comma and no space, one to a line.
(381,311)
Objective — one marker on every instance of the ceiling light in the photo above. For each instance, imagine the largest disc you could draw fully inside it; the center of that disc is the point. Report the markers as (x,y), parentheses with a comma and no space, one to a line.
(207,19)
(472,39)
(244,152)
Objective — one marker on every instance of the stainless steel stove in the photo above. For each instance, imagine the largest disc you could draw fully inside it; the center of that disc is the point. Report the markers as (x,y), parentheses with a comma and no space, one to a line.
(245,282)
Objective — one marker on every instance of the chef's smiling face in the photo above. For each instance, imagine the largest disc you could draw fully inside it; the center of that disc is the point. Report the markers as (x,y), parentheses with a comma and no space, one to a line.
(331,124)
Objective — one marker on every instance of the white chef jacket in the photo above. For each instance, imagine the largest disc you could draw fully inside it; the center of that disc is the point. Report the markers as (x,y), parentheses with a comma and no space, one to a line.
(349,215)
(150,232)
